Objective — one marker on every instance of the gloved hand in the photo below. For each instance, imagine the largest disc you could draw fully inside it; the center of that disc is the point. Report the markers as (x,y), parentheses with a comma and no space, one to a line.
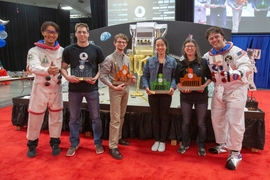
(235,75)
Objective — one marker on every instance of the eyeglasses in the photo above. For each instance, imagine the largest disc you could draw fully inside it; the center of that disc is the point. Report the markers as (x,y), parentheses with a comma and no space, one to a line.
(82,32)
(190,46)
(214,37)
(121,42)
(50,32)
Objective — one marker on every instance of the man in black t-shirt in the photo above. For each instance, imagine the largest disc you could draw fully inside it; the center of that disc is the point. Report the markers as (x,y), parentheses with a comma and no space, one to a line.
(83,59)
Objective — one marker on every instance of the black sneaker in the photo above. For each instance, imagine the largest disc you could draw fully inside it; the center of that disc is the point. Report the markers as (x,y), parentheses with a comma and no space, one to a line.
(55,150)
(31,152)
(201,152)
(182,149)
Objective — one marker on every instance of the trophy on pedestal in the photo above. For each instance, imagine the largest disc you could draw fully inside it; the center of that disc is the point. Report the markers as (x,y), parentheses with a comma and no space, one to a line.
(143,37)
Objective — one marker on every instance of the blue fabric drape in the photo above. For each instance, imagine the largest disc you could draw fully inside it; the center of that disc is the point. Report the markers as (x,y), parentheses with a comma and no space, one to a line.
(262,77)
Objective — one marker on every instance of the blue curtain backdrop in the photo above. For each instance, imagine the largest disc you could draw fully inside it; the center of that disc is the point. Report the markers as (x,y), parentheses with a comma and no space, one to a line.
(262,77)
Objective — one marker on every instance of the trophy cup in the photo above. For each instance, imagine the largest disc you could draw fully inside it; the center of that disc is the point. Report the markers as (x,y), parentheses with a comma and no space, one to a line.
(143,37)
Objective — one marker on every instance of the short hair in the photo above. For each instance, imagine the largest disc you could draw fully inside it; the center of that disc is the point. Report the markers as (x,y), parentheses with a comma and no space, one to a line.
(213,29)
(49,23)
(81,25)
(120,35)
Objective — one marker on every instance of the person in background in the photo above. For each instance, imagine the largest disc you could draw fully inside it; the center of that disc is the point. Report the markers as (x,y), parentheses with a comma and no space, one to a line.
(218,10)
(261,8)
(200,11)
(193,62)
(160,104)
(230,67)
(237,8)
(84,59)
(119,94)
(44,62)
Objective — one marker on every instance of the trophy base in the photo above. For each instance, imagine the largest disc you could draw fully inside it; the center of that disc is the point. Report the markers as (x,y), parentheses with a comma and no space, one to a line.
(122,82)
(160,91)
(192,88)
(84,78)
(136,94)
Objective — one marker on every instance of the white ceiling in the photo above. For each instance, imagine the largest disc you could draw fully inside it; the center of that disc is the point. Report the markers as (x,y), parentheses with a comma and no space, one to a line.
(81,8)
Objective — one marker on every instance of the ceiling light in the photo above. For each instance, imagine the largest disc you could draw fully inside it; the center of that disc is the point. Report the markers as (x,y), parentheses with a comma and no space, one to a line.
(66,7)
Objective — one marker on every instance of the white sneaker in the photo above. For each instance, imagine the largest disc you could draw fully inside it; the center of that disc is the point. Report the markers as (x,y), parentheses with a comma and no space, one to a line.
(161,147)
(155,146)
(218,149)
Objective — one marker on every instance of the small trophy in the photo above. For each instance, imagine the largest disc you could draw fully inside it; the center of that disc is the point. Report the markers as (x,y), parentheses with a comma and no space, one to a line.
(190,81)
(82,71)
(160,85)
(123,76)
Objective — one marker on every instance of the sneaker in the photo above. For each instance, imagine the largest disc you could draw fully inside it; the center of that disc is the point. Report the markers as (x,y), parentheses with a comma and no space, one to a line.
(218,149)
(233,160)
(55,150)
(99,149)
(71,150)
(182,149)
(31,152)
(161,147)
(155,146)
(201,152)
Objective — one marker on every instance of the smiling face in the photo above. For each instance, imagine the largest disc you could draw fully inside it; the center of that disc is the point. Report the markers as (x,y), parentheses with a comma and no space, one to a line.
(50,35)
(216,40)
(160,47)
(120,44)
(82,34)
(190,49)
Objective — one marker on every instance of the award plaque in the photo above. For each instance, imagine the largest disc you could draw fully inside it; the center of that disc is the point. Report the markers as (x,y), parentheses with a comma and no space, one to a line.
(190,82)
(160,85)
(83,71)
(123,76)
(84,78)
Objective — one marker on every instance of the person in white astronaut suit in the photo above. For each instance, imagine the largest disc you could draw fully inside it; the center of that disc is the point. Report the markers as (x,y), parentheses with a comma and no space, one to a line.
(230,67)
(200,11)
(44,62)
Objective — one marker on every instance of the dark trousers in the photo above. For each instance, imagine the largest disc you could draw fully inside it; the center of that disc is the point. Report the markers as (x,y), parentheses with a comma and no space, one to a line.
(160,107)
(201,110)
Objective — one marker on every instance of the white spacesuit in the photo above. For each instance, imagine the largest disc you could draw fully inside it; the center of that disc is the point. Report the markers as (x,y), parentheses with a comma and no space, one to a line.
(46,90)
(230,69)
(200,11)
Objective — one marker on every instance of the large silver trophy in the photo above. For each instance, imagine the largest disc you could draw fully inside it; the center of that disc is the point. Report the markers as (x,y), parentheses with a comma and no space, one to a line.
(143,37)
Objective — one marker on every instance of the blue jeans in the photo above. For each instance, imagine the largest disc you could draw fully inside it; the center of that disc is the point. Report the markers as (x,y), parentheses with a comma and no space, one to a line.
(75,101)
(201,110)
